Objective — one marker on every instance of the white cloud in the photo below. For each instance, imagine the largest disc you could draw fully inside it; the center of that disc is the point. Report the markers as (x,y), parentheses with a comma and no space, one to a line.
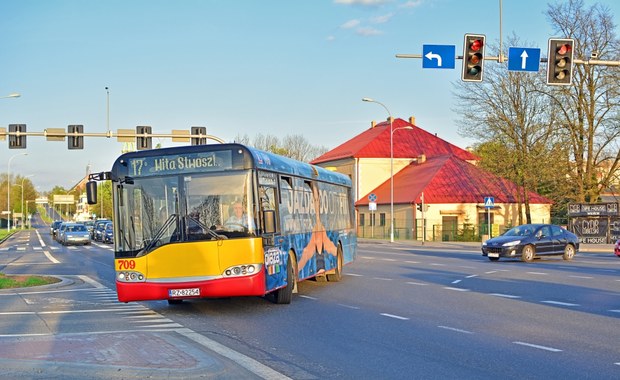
(362,2)
(411,4)
(368,31)
(350,24)
(382,19)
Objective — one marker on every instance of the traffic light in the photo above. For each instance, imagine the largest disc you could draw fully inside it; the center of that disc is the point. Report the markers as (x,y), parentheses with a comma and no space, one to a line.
(17,142)
(473,58)
(75,142)
(202,131)
(560,61)
(144,142)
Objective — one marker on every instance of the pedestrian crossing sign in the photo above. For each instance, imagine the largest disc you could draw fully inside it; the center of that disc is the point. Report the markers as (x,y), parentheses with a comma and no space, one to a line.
(489,202)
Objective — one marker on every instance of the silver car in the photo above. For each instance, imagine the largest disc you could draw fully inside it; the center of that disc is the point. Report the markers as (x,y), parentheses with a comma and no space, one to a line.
(74,233)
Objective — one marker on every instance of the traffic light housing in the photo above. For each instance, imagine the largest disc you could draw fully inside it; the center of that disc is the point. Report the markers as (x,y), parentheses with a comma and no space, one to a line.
(201,131)
(75,142)
(17,142)
(144,142)
(560,61)
(473,57)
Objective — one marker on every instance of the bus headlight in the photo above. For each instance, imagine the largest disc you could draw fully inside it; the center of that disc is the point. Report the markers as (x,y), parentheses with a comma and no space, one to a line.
(130,277)
(241,270)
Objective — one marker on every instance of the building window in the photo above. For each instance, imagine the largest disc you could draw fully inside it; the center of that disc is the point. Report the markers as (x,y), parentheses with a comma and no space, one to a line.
(373,220)
(382,219)
(362,219)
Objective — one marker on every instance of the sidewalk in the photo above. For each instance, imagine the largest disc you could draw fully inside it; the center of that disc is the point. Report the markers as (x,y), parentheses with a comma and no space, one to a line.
(583,248)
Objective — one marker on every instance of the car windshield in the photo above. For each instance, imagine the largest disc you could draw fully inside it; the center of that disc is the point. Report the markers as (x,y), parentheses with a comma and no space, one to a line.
(525,230)
(77,228)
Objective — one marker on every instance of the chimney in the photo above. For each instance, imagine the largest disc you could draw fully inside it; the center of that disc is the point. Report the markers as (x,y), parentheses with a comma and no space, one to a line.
(412,120)
(373,124)
(422,158)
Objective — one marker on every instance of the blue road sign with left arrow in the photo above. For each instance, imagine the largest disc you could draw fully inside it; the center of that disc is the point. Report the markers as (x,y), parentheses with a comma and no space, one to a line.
(523,59)
(438,56)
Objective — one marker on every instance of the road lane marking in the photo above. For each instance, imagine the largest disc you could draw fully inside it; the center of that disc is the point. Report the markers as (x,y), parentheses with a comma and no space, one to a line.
(415,283)
(40,239)
(584,277)
(456,281)
(457,289)
(246,362)
(538,273)
(309,297)
(538,346)
(504,295)
(395,316)
(349,306)
(51,258)
(455,329)
(383,278)
(472,276)
(560,303)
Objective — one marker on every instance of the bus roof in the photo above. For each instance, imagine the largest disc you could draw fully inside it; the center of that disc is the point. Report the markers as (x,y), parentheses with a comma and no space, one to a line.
(259,159)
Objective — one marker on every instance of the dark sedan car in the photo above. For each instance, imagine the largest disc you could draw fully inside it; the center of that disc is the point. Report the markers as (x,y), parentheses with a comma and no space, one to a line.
(531,240)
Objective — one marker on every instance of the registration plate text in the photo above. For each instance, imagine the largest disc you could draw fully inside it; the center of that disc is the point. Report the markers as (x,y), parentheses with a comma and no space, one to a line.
(191,292)
(493,254)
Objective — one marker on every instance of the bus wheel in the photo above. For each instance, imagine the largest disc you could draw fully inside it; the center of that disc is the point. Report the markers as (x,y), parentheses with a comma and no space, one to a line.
(337,274)
(284,295)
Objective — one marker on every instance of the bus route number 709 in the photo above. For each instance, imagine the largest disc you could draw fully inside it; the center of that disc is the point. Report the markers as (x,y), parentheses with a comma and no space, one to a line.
(126,264)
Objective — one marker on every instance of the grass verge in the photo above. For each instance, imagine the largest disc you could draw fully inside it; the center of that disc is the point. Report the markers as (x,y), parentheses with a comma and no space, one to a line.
(25,281)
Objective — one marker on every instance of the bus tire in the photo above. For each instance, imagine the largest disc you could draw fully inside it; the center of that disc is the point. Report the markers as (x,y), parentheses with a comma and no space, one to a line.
(336,275)
(284,295)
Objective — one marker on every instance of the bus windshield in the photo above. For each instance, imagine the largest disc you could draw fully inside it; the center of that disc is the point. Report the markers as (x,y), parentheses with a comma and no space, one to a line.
(154,211)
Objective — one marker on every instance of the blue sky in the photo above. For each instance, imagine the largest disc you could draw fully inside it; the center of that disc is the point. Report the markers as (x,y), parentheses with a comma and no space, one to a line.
(237,67)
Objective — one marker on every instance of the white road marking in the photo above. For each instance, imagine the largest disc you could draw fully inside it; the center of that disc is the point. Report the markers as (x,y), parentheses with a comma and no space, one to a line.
(382,278)
(584,277)
(455,329)
(504,295)
(457,289)
(50,257)
(538,273)
(456,281)
(349,306)
(415,283)
(308,297)
(560,303)
(39,237)
(395,316)
(538,346)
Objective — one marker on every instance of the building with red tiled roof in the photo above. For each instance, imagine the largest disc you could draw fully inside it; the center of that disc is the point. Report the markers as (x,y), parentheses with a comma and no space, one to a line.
(426,170)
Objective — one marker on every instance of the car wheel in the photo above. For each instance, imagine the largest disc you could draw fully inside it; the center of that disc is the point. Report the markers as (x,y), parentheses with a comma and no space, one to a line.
(569,252)
(528,253)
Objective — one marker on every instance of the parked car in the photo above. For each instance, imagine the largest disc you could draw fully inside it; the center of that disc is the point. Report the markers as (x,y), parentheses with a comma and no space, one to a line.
(617,248)
(54,228)
(108,233)
(530,240)
(74,233)
(98,229)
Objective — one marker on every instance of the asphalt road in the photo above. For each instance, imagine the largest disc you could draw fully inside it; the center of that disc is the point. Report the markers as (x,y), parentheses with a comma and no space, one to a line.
(402,311)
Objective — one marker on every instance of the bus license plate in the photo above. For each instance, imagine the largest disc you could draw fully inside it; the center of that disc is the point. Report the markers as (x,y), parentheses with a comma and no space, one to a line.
(184,292)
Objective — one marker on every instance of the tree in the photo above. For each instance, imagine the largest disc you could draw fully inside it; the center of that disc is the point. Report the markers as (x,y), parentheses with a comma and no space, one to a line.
(587,112)
(508,115)
(293,146)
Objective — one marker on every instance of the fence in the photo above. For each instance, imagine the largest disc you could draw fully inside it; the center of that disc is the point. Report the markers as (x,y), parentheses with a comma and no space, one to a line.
(435,232)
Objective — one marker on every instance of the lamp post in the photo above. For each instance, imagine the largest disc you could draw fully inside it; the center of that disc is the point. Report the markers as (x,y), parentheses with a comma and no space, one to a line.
(8,190)
(391,163)
(28,176)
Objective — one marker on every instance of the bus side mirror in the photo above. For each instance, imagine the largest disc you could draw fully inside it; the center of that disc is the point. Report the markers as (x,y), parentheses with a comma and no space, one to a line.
(91,192)
(269,218)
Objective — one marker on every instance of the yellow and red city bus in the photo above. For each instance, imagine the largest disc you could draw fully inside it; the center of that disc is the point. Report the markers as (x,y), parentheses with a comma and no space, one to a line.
(225,220)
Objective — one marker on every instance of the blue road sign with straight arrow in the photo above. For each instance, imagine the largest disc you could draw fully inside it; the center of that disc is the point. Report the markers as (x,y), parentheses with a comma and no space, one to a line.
(523,59)
(438,56)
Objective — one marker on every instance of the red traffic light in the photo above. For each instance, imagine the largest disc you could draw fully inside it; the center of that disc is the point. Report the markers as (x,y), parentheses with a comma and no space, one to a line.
(564,49)
(473,58)
(476,45)
(560,61)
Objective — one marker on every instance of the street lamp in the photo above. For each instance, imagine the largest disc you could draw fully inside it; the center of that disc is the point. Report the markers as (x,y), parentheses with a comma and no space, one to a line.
(13,95)
(28,176)
(391,164)
(8,190)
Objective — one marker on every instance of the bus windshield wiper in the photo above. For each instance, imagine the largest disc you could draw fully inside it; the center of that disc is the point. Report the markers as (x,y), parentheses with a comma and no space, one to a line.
(159,234)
